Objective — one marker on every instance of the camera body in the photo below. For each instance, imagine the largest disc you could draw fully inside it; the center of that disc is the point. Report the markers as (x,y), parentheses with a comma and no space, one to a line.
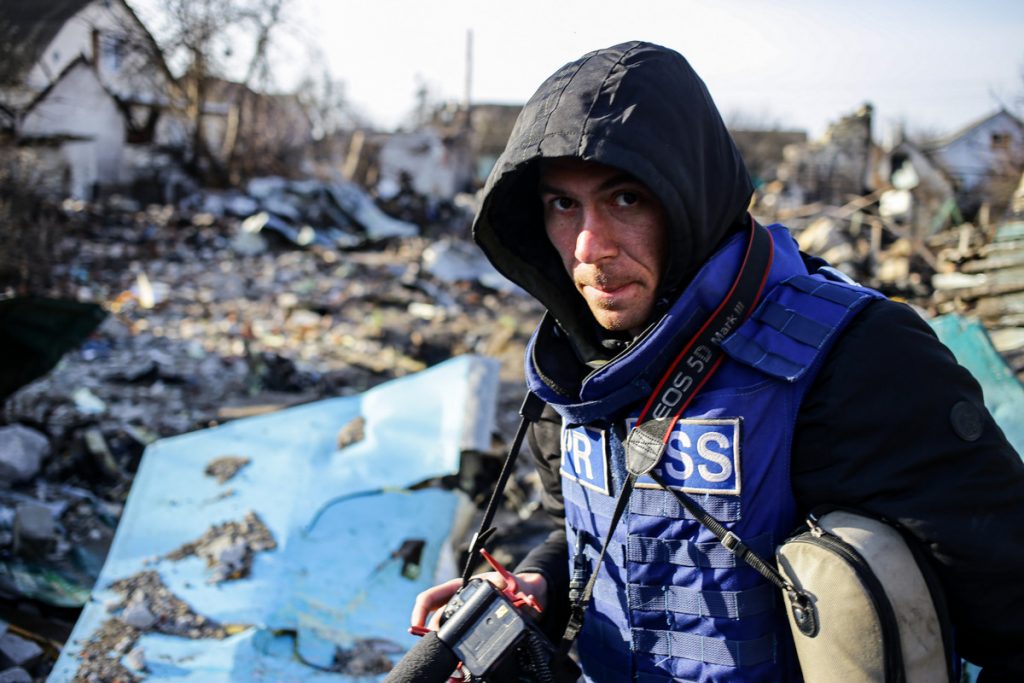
(495,641)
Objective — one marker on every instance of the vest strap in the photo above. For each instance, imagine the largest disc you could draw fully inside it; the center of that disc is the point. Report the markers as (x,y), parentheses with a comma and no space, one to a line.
(648,502)
(735,653)
(708,554)
(718,604)
(645,677)
(572,629)
(731,541)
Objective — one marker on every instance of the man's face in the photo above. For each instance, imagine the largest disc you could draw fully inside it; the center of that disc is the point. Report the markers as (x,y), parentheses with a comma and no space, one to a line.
(610,231)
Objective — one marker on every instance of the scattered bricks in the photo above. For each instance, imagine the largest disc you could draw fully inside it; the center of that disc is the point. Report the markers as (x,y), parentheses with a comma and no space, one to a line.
(15,675)
(16,651)
(34,530)
(22,451)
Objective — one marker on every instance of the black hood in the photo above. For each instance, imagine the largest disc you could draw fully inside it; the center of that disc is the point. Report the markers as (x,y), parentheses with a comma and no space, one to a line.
(635,106)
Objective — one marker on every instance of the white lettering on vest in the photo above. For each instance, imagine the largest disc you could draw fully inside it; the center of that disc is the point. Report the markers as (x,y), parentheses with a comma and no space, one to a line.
(675,455)
(723,461)
(581,452)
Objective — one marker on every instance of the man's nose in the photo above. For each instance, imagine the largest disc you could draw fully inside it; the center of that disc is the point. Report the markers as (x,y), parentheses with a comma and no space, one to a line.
(596,239)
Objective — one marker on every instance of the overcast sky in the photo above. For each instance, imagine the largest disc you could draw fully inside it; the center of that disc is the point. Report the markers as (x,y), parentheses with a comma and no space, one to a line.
(936,63)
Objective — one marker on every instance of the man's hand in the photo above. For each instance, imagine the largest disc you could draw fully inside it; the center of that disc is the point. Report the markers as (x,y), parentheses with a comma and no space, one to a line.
(434,599)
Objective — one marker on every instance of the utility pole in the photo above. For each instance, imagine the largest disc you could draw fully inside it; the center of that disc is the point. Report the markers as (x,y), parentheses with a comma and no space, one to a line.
(467,97)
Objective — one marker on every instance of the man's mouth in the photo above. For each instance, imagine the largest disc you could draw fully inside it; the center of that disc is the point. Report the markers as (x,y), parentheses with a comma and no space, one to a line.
(606,288)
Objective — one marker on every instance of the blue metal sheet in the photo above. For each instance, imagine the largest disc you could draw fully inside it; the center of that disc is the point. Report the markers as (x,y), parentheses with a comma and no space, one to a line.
(337,516)
(1004,395)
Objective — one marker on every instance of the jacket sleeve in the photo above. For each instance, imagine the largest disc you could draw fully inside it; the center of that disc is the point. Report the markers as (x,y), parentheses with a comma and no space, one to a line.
(551,558)
(894,426)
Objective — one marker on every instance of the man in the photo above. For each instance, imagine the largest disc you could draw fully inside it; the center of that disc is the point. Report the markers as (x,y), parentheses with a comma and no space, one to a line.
(621,203)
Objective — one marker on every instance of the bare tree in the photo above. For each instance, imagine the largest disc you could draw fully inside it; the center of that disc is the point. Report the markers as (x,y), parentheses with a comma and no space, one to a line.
(200,39)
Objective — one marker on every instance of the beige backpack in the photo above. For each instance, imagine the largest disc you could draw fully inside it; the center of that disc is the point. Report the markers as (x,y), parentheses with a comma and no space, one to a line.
(876,611)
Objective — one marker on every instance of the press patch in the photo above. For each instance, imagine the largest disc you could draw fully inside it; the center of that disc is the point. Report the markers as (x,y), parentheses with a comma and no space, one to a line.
(585,457)
(702,456)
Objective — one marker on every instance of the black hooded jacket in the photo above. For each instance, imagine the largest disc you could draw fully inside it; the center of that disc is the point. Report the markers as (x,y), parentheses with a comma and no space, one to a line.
(882,428)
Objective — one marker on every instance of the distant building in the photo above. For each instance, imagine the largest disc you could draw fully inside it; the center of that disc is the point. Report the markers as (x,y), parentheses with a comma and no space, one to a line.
(763,150)
(452,154)
(979,149)
(490,125)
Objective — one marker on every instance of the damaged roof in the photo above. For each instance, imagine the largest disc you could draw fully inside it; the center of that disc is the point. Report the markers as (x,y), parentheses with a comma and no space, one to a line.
(35,24)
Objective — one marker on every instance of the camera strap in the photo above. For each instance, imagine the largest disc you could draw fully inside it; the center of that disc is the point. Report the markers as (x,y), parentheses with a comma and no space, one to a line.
(530,411)
(687,374)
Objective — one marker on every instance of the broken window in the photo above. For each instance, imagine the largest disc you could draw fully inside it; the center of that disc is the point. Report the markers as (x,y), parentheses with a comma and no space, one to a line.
(1000,142)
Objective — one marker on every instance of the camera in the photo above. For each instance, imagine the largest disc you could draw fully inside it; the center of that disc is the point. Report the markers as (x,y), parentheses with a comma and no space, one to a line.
(486,629)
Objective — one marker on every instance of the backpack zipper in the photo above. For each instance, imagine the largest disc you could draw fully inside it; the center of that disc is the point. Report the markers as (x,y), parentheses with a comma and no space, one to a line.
(823,538)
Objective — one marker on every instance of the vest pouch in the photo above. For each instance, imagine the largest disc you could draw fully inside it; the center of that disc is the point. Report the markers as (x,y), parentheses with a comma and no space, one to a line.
(878,611)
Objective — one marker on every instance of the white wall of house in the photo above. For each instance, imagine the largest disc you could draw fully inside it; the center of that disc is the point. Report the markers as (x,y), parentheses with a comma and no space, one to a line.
(100,28)
(982,148)
(78,106)
(423,156)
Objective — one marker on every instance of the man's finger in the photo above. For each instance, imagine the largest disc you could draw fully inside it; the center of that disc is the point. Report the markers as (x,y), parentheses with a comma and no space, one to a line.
(431,600)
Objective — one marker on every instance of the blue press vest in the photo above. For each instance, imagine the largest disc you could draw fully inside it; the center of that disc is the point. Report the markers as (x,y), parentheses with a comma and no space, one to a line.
(670,602)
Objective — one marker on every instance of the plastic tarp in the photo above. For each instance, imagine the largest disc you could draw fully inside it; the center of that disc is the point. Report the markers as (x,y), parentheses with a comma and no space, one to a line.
(36,332)
(338,517)
(1004,394)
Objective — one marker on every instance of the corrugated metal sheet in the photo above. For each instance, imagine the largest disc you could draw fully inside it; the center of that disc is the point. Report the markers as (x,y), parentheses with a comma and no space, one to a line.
(337,517)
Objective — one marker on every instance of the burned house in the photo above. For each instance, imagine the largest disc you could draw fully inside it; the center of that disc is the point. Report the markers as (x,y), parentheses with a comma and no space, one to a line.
(81,91)
(838,166)
(250,133)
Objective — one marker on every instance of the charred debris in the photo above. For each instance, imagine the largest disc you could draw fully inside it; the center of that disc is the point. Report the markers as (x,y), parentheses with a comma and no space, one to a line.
(227,305)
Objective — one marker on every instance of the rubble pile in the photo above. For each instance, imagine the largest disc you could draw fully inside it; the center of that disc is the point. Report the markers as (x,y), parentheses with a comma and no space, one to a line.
(201,331)
(146,605)
(965,269)
(982,275)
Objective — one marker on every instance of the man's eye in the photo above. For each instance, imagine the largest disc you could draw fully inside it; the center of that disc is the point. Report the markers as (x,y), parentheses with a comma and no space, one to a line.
(561,203)
(627,198)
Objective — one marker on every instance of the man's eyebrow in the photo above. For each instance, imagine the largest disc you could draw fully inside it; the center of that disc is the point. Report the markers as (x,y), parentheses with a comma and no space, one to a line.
(614,181)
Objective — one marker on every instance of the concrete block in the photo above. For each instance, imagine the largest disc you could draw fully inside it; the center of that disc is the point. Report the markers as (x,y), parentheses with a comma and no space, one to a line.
(22,451)
(18,652)
(35,530)
(15,675)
